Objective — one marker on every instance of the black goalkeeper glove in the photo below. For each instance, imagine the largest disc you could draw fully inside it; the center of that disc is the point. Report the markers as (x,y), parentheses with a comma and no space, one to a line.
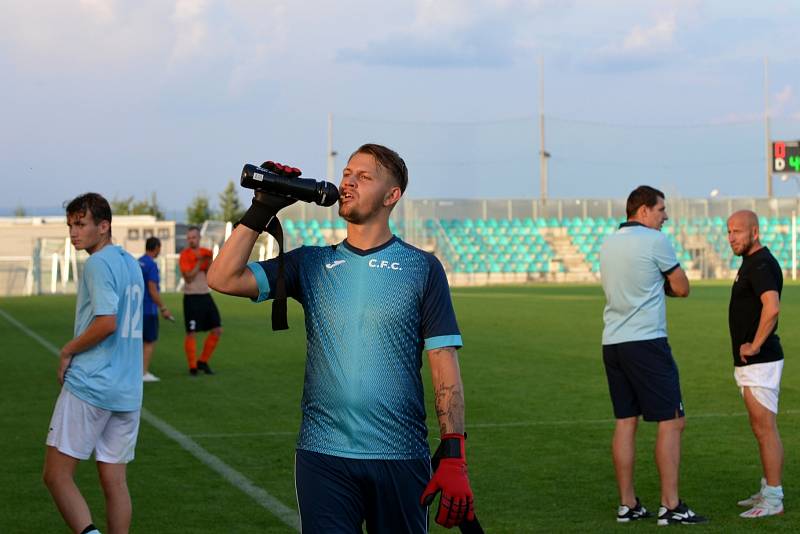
(265,205)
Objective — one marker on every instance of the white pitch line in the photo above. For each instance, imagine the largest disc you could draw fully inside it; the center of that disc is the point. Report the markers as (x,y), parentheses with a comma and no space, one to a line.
(267,501)
(281,511)
(689,417)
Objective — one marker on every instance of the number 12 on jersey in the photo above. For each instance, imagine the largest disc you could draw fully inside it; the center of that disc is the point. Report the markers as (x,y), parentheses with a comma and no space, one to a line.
(133,299)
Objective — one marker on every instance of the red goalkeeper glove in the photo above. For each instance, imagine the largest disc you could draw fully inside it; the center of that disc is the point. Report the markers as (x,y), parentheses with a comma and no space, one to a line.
(450,477)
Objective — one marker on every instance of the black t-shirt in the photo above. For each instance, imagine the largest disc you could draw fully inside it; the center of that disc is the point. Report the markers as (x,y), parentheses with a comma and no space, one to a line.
(759,273)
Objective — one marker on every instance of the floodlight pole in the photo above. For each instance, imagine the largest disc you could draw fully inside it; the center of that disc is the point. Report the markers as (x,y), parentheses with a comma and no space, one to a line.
(767,142)
(331,158)
(543,154)
(331,154)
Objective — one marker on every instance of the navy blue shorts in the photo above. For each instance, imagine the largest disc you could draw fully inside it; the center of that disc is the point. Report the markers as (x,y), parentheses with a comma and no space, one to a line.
(643,380)
(337,495)
(149,328)
(200,314)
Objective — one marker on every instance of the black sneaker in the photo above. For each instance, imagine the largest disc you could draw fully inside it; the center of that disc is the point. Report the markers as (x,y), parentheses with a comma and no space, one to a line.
(203,366)
(681,514)
(626,514)
(192,371)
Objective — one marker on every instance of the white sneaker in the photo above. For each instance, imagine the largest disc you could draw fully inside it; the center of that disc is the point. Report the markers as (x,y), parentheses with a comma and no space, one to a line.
(752,500)
(762,509)
(755,498)
(150,377)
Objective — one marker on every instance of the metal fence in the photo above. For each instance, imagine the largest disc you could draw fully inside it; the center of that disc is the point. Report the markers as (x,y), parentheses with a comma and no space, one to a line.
(420,209)
(53,265)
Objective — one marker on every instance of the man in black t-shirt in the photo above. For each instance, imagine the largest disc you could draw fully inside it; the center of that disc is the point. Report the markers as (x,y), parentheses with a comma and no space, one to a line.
(757,353)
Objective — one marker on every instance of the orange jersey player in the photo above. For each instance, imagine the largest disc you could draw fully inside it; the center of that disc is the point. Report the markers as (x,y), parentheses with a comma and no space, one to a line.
(200,314)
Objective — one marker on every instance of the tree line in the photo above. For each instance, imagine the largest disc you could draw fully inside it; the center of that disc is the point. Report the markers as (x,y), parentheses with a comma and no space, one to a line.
(198,211)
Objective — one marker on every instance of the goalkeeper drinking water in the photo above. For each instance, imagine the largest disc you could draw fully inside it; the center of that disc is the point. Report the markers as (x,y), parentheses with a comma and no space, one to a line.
(372,305)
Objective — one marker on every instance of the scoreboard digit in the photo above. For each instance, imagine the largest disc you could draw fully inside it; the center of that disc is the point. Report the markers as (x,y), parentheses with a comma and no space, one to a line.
(786,156)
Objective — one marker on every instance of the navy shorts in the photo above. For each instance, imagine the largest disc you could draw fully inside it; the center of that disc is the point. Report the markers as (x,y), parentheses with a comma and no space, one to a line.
(337,495)
(643,380)
(200,314)
(149,328)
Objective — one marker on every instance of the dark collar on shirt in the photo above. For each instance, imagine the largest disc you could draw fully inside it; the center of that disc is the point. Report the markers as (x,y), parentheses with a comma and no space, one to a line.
(758,253)
(367,252)
(631,223)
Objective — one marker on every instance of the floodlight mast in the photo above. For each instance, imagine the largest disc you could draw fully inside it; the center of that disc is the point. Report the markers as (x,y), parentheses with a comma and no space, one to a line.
(543,154)
(766,128)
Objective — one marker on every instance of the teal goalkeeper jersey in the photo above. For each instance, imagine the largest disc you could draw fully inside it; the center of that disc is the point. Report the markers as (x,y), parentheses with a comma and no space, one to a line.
(368,315)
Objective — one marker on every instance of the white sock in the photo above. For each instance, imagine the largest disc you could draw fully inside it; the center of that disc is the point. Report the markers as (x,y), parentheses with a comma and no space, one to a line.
(773,494)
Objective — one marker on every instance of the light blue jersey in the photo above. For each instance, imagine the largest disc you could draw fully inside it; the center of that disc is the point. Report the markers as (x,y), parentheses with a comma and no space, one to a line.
(369,315)
(633,263)
(109,375)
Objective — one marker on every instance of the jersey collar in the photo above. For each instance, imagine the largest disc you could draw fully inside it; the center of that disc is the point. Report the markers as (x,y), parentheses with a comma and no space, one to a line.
(756,254)
(631,223)
(367,252)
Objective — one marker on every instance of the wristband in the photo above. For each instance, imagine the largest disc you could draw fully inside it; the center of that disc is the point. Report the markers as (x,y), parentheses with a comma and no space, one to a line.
(257,216)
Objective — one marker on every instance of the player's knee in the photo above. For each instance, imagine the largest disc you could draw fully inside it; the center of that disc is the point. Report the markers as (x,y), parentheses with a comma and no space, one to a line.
(52,477)
(672,425)
(763,428)
(113,480)
(217,331)
(628,424)
(47,478)
(680,423)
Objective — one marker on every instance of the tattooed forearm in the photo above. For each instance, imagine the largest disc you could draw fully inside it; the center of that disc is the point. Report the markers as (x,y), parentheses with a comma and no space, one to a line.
(450,408)
(448,391)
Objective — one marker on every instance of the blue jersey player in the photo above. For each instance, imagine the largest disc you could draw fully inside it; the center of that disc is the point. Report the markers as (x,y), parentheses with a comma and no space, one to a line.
(100,369)
(372,305)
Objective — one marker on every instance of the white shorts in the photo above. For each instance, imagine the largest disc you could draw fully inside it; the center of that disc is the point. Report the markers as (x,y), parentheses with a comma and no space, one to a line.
(78,428)
(764,381)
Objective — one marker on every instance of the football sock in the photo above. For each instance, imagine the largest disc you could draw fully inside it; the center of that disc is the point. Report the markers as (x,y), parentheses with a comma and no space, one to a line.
(91,529)
(190,346)
(773,494)
(209,346)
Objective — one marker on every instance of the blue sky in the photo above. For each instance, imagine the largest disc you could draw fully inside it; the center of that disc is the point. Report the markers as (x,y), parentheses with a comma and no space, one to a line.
(127,98)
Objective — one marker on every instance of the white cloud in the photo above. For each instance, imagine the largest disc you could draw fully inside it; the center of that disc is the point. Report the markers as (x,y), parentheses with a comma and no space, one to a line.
(661,34)
(458,33)
(643,46)
(102,10)
(433,15)
(785,95)
(190,28)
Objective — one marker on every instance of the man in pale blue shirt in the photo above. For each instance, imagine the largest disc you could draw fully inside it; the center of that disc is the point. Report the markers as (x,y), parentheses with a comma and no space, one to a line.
(100,370)
(638,267)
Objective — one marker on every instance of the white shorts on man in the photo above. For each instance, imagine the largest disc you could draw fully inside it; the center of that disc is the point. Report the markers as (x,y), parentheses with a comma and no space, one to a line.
(764,381)
(77,429)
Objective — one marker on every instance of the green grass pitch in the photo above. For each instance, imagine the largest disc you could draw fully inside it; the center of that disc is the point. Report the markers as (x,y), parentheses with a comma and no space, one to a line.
(538,416)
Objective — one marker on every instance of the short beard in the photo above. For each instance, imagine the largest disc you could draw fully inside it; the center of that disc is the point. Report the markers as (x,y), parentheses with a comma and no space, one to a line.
(355,216)
(746,249)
